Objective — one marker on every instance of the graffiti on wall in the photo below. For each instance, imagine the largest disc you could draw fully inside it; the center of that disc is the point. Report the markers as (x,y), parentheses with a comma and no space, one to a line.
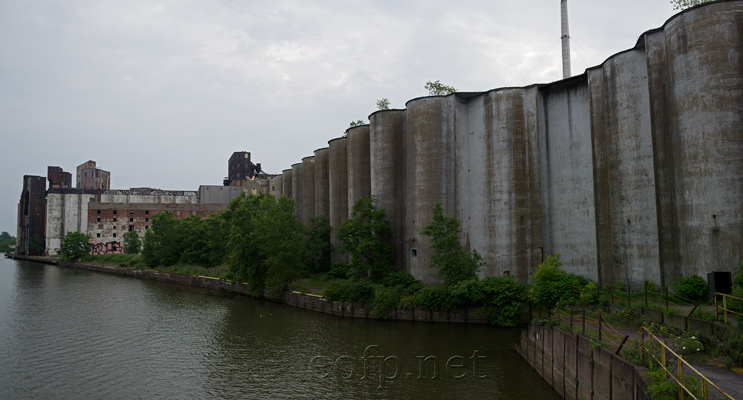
(106,248)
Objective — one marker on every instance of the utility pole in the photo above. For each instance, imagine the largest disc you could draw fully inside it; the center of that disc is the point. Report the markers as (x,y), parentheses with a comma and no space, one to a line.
(566,73)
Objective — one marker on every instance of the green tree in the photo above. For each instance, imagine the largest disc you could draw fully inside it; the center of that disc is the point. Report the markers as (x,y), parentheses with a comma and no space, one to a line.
(366,236)
(75,245)
(356,123)
(36,245)
(265,245)
(551,285)
(6,241)
(437,88)
(132,243)
(317,257)
(383,104)
(161,245)
(453,262)
(684,4)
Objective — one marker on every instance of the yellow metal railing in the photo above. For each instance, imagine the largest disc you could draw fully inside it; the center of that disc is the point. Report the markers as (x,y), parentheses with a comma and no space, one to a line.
(648,353)
(725,308)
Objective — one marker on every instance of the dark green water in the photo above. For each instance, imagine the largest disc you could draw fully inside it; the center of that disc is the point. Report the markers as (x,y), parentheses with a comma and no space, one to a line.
(68,334)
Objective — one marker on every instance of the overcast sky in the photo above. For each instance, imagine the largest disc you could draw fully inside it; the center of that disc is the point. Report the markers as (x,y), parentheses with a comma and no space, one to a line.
(160,93)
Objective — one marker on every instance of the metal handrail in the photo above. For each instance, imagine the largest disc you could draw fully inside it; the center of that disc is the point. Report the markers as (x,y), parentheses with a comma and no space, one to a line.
(725,308)
(681,363)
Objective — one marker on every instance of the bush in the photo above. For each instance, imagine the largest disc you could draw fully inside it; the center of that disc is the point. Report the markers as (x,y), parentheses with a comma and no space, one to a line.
(75,245)
(385,300)
(403,279)
(339,271)
(552,285)
(350,291)
(502,299)
(453,263)
(730,346)
(436,297)
(365,235)
(692,287)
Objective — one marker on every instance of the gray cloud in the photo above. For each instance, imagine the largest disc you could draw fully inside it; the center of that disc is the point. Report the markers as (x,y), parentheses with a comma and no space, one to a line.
(161,93)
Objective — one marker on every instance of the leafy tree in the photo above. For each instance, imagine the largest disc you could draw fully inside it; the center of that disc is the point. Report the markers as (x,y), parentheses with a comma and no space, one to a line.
(132,243)
(161,245)
(552,285)
(439,89)
(365,236)
(691,287)
(453,262)
(36,245)
(75,245)
(265,246)
(356,123)
(684,4)
(6,241)
(317,255)
(383,104)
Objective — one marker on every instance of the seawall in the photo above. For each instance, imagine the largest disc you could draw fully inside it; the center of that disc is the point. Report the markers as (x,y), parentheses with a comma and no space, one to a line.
(575,370)
(309,302)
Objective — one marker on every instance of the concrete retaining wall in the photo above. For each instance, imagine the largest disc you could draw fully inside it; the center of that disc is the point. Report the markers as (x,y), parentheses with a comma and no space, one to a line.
(576,371)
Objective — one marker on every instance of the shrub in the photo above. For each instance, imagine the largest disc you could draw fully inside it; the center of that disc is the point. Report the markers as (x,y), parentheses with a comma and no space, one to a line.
(692,288)
(453,263)
(436,297)
(730,346)
(688,343)
(350,291)
(403,279)
(589,294)
(552,285)
(385,300)
(75,245)
(502,299)
(339,271)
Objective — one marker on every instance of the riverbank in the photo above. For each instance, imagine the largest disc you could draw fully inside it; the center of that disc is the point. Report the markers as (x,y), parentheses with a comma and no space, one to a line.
(310,302)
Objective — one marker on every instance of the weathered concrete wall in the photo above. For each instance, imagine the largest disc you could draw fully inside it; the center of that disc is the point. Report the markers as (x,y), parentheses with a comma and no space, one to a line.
(574,370)
(322,182)
(338,196)
(214,194)
(308,190)
(632,171)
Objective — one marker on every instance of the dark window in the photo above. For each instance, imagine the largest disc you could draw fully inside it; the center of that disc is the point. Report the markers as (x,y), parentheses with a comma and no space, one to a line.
(131,212)
(99,211)
(97,235)
(146,220)
(131,228)
(146,227)
(114,212)
(413,252)
(114,219)
(114,235)
(98,219)
(147,212)
(131,219)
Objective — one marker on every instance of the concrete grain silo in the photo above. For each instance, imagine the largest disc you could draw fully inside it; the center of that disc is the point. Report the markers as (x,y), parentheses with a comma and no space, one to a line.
(359,178)
(322,182)
(338,196)
(308,190)
(387,169)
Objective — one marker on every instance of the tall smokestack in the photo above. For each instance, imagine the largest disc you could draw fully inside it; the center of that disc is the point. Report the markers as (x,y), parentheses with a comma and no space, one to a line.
(566,73)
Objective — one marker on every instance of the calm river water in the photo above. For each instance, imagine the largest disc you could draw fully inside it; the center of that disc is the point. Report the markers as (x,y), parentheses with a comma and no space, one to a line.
(69,334)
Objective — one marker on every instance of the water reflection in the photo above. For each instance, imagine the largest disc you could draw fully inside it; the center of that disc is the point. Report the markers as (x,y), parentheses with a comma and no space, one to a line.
(77,334)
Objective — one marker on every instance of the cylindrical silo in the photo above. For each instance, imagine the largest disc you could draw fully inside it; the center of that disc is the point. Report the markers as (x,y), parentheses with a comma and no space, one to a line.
(387,173)
(428,165)
(276,186)
(322,183)
(286,183)
(308,190)
(359,173)
(338,195)
(704,93)
(297,186)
